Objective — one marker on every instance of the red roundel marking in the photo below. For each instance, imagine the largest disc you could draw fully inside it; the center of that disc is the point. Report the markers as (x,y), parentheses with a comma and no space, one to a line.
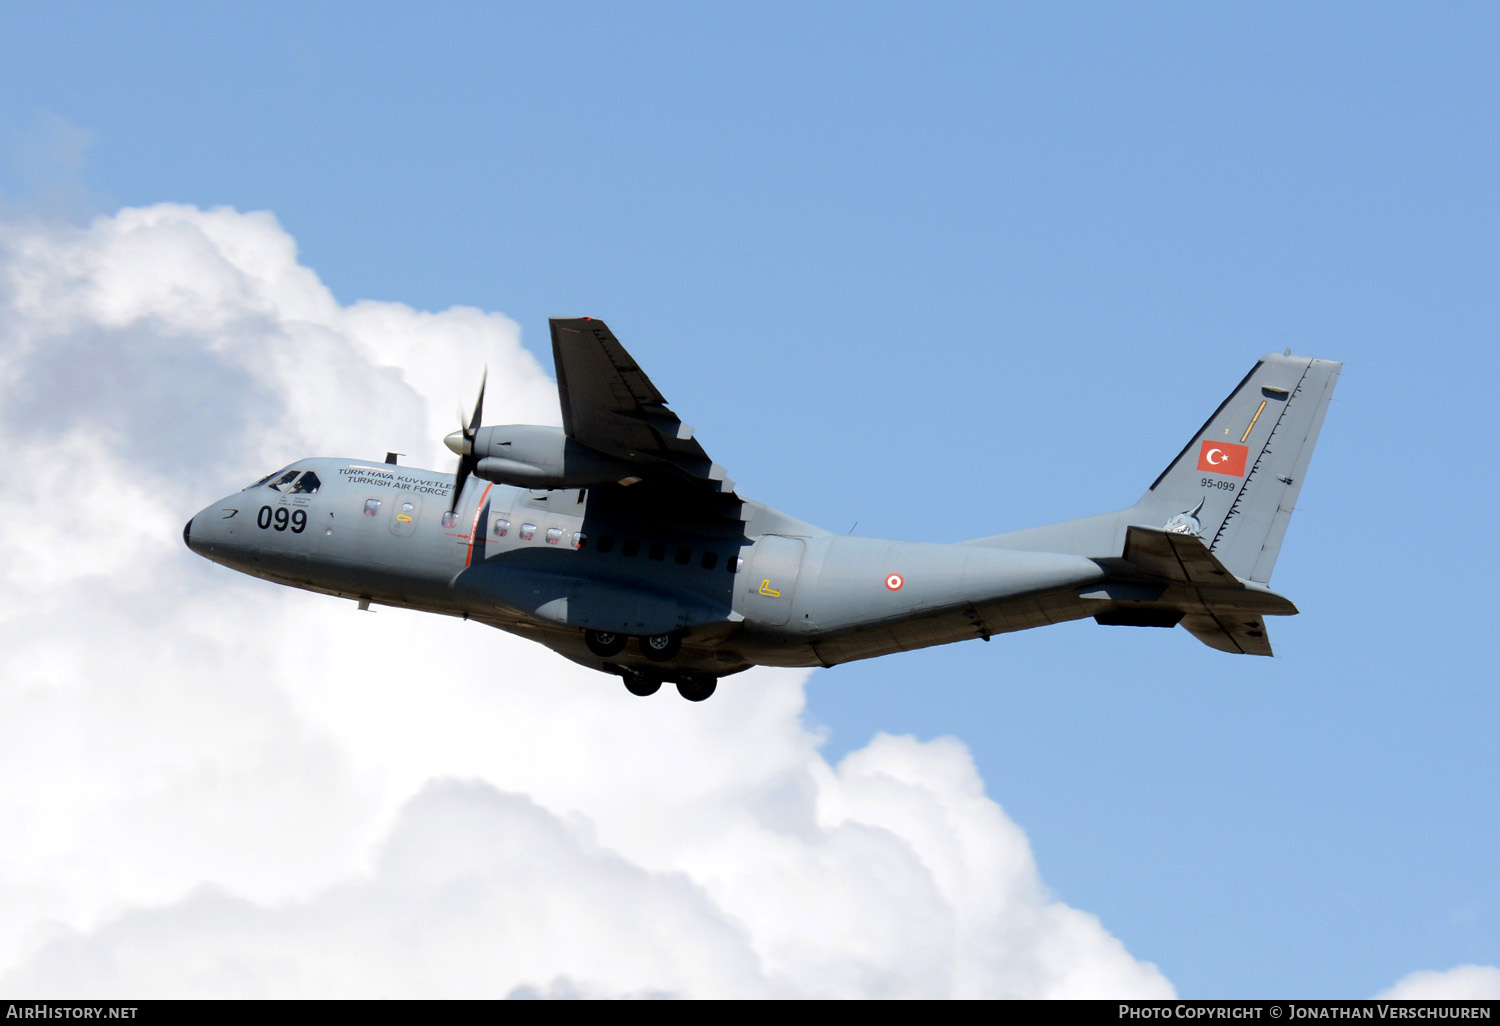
(894,582)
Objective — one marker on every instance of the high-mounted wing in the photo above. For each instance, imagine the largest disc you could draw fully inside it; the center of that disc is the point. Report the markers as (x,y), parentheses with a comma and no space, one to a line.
(609,405)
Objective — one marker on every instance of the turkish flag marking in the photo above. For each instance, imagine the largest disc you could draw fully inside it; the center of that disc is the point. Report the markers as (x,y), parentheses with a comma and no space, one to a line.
(1223,458)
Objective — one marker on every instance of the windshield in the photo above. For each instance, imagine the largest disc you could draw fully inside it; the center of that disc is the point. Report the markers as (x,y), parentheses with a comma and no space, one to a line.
(260,482)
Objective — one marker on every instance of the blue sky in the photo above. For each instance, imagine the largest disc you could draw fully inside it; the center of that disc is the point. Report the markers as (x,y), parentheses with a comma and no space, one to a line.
(942,273)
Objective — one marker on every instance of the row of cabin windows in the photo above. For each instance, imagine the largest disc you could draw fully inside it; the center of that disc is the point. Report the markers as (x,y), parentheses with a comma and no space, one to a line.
(628,547)
(528,532)
(372,509)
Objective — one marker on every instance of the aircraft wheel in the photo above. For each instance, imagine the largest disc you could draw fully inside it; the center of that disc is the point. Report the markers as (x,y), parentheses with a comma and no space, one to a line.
(642,684)
(696,689)
(604,643)
(661,647)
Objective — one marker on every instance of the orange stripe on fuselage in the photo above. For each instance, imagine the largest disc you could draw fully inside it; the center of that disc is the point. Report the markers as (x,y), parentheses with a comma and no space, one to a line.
(478,510)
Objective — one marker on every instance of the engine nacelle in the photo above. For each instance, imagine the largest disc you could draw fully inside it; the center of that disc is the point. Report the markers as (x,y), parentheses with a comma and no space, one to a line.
(531,456)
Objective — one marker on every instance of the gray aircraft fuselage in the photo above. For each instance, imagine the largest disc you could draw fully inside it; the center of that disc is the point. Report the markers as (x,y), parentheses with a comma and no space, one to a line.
(655,570)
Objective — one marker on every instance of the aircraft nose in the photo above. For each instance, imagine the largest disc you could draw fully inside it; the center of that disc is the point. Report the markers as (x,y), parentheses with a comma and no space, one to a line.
(211,531)
(194,542)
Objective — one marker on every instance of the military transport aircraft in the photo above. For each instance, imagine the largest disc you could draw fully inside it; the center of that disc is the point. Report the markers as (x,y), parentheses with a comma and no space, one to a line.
(616,541)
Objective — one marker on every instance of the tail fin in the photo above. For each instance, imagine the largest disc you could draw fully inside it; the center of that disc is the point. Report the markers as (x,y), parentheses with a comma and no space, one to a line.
(1235,483)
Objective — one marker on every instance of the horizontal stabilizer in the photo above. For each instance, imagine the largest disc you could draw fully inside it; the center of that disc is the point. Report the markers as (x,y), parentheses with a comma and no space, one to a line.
(1232,621)
(1230,632)
(1176,557)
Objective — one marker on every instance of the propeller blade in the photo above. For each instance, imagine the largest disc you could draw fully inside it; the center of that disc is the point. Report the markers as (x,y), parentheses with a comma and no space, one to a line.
(466,458)
(478,407)
(460,479)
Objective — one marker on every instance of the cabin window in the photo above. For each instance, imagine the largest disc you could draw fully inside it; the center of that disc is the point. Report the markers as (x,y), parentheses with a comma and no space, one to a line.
(606,543)
(554,535)
(630,548)
(710,560)
(658,552)
(502,528)
(450,519)
(684,556)
(285,479)
(528,532)
(372,507)
(579,538)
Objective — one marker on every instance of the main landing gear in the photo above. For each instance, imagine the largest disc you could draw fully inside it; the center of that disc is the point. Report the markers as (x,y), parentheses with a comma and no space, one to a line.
(661,647)
(646,680)
(641,684)
(605,643)
(695,687)
(657,647)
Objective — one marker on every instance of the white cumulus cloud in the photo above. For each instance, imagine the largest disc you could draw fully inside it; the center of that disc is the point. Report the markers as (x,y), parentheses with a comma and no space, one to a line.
(1461,983)
(210,785)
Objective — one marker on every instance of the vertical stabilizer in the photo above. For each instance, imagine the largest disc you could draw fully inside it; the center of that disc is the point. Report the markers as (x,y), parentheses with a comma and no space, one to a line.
(1235,483)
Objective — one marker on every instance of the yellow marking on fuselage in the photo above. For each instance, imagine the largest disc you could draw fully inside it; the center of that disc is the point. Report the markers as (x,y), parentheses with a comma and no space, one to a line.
(767,590)
(1252,421)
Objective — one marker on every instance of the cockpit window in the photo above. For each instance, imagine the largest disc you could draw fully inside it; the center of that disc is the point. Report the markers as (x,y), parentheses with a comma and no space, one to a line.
(307,484)
(290,482)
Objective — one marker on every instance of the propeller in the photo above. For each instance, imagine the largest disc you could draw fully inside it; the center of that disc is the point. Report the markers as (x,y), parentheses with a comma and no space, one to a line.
(462,442)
